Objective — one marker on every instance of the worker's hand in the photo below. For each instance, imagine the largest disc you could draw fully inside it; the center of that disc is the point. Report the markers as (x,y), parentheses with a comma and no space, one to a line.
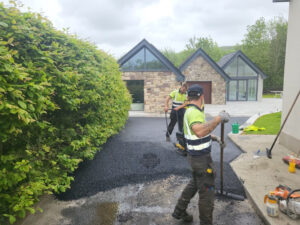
(218,139)
(215,138)
(224,116)
(176,109)
(166,109)
(222,144)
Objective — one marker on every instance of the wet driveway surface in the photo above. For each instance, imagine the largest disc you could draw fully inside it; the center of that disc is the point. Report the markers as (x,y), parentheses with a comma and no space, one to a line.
(139,153)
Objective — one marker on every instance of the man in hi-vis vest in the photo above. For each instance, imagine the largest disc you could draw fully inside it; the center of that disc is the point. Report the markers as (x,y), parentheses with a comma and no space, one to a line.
(198,144)
(178,103)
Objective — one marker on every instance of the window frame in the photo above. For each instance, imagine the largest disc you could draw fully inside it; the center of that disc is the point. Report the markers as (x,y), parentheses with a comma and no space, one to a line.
(144,69)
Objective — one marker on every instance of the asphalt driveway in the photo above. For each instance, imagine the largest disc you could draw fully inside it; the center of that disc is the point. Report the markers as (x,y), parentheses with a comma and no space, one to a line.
(139,153)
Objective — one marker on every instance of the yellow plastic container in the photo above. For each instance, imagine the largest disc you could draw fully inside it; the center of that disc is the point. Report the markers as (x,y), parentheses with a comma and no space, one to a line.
(292,166)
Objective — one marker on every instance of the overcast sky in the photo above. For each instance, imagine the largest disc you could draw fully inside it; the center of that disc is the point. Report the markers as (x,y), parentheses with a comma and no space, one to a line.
(116,26)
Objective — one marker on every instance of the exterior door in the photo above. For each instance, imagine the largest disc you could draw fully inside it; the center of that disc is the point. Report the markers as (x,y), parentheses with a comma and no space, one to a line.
(206,85)
(136,89)
(242,90)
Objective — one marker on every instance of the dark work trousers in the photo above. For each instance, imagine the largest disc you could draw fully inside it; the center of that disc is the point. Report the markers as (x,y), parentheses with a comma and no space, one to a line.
(173,118)
(203,183)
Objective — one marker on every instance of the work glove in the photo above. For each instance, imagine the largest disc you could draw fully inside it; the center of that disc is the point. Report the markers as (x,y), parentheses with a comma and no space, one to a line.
(218,139)
(224,116)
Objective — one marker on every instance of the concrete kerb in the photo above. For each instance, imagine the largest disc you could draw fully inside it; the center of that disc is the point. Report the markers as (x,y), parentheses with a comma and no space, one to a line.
(261,175)
(249,122)
(253,118)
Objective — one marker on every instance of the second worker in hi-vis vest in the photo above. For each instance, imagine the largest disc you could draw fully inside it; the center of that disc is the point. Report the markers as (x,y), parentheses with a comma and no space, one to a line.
(179,99)
(198,139)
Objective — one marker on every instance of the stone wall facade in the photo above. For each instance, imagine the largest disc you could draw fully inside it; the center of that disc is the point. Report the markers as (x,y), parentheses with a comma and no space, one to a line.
(200,70)
(157,86)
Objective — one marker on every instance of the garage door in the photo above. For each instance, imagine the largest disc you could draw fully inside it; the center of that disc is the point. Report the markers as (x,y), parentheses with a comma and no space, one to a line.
(206,85)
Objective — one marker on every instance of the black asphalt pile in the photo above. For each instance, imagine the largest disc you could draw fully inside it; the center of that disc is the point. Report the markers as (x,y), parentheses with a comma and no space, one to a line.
(140,154)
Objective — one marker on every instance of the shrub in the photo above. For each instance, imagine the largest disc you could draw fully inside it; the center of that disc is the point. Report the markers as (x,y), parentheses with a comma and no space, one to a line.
(60,99)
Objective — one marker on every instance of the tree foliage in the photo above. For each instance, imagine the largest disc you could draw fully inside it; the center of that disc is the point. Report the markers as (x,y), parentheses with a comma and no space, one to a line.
(205,43)
(265,44)
(60,99)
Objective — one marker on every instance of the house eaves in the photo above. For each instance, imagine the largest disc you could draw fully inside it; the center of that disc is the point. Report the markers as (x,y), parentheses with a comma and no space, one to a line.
(202,53)
(144,43)
(239,53)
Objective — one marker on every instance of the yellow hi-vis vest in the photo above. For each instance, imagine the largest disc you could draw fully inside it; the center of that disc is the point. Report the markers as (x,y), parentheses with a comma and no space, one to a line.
(195,145)
(177,98)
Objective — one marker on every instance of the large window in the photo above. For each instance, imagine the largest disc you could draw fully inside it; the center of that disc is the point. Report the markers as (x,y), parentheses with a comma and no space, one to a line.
(244,70)
(239,68)
(242,93)
(231,69)
(232,90)
(136,89)
(136,62)
(252,90)
(144,60)
(242,90)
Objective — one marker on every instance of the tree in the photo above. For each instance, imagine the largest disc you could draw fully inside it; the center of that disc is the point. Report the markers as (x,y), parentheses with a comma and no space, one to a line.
(207,44)
(265,44)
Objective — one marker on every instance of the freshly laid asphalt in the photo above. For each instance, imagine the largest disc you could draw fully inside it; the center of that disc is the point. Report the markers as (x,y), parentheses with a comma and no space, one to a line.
(139,153)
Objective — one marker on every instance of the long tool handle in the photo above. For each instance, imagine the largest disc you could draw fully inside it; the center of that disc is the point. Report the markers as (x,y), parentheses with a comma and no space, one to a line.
(287,116)
(221,158)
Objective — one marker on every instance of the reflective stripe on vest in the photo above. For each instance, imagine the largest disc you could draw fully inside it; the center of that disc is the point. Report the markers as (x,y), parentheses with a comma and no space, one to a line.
(196,145)
(175,102)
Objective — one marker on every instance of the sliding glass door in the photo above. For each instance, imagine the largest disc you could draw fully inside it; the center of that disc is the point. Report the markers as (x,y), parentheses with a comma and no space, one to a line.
(242,90)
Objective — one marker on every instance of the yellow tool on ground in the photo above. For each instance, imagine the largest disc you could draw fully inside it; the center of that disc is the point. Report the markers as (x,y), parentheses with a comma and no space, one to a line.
(253,128)
(180,146)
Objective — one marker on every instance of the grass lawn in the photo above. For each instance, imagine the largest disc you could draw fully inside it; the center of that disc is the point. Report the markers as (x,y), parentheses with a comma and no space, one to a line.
(270,121)
(271,96)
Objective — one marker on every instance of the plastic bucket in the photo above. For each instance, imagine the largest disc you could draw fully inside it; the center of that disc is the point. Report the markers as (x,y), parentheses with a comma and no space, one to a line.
(235,128)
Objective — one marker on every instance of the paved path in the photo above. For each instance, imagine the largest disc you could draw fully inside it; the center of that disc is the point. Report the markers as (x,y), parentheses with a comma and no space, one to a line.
(139,154)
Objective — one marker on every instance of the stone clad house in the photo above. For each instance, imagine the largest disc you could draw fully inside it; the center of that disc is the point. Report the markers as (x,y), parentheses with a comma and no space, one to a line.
(246,79)
(199,68)
(150,77)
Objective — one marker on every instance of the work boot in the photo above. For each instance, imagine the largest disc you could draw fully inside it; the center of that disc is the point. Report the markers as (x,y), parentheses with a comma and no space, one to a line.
(182,215)
(168,137)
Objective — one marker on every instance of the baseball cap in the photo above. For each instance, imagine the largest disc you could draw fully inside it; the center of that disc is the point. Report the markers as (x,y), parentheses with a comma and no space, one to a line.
(195,90)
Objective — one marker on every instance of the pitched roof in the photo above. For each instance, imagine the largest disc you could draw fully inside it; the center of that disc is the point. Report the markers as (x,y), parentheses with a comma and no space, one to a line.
(144,43)
(227,59)
(202,53)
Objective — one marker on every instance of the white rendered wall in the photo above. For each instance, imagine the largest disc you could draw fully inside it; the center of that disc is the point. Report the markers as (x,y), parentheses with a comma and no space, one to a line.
(291,133)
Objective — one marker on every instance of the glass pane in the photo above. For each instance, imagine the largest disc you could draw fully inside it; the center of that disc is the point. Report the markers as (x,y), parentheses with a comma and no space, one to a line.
(232,90)
(152,63)
(231,69)
(252,90)
(136,62)
(242,90)
(136,89)
(244,69)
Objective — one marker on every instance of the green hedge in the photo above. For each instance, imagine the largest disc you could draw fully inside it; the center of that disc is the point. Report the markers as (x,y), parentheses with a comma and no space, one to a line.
(60,99)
